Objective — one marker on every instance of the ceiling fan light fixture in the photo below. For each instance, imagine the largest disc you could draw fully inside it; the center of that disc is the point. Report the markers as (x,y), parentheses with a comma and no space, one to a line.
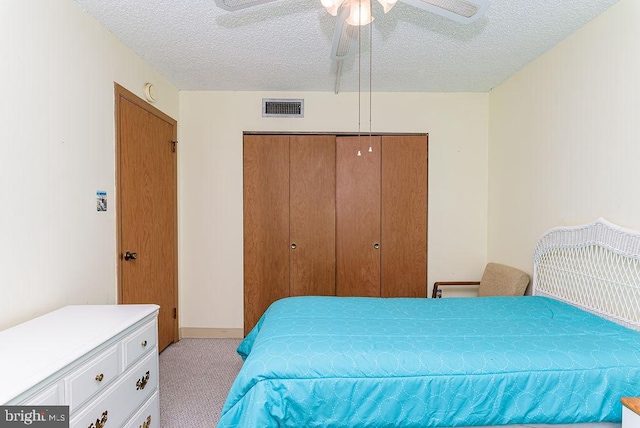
(360,13)
(360,10)
(332,6)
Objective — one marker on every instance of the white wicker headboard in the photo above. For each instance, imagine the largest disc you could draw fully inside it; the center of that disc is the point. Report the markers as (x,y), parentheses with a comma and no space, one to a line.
(595,267)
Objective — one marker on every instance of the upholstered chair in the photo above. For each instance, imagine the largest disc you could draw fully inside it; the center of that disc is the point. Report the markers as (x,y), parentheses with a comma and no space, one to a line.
(497,280)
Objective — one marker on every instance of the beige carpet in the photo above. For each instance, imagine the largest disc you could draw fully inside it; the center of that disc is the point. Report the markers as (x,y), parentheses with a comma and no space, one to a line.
(195,378)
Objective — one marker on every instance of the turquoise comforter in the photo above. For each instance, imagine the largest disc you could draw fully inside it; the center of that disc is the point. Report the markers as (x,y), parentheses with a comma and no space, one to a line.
(369,362)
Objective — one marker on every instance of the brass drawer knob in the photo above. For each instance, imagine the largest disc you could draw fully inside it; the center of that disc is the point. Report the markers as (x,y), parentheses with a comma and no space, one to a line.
(144,343)
(147,423)
(100,377)
(100,422)
(141,383)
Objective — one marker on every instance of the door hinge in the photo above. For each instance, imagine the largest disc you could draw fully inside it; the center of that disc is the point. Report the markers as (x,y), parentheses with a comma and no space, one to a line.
(174,145)
(175,313)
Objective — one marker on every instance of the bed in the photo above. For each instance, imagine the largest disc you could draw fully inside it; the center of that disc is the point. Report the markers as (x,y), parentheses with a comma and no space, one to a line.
(565,355)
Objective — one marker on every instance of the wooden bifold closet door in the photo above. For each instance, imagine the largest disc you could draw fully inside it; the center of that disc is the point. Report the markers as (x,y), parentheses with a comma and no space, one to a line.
(381,215)
(404,216)
(358,216)
(289,219)
(312,220)
(266,224)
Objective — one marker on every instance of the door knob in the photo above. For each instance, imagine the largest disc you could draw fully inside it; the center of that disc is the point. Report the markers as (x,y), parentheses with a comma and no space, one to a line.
(294,246)
(376,246)
(130,256)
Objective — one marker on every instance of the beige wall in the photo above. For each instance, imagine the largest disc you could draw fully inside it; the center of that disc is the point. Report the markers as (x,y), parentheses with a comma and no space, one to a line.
(564,137)
(210,162)
(57,74)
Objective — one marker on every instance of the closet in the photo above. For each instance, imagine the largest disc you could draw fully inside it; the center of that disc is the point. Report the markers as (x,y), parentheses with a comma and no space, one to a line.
(321,220)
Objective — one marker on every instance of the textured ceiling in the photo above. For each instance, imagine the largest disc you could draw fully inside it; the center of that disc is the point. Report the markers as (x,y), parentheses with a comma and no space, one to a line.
(285,45)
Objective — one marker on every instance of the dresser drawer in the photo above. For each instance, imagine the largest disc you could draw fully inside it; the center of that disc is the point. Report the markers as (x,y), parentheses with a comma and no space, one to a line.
(92,377)
(148,416)
(139,342)
(124,397)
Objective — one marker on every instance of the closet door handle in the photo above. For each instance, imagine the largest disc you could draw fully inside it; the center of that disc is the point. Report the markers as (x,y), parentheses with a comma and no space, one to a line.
(294,246)
(376,246)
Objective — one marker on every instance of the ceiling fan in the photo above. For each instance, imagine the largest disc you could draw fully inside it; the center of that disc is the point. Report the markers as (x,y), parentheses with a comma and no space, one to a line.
(350,16)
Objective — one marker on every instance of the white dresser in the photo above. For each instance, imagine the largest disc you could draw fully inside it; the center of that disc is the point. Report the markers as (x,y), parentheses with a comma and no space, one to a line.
(100,360)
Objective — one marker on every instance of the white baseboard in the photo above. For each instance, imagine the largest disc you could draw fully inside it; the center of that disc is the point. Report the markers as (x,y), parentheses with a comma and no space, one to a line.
(211,333)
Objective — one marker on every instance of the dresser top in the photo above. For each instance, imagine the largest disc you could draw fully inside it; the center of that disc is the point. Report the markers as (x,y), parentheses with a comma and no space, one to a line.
(33,351)
(632,403)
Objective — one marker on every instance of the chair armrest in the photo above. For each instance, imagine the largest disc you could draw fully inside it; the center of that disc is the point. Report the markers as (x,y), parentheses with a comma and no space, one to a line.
(437,293)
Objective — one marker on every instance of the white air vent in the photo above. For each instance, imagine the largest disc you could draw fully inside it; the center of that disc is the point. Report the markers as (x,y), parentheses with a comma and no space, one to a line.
(239,4)
(282,108)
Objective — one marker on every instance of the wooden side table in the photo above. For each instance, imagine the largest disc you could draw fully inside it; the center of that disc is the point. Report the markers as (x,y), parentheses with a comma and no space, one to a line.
(630,412)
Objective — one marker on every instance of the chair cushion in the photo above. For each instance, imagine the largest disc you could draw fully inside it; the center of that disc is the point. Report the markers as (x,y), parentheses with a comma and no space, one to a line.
(502,280)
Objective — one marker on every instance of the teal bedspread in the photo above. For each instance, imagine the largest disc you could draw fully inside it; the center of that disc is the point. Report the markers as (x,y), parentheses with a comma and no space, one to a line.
(369,362)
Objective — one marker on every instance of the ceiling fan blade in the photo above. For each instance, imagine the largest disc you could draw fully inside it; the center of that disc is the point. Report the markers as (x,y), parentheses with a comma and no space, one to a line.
(464,11)
(344,36)
(233,5)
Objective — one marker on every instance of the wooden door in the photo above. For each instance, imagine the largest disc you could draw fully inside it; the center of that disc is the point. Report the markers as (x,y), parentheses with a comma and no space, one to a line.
(266,224)
(147,209)
(358,217)
(312,215)
(404,216)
